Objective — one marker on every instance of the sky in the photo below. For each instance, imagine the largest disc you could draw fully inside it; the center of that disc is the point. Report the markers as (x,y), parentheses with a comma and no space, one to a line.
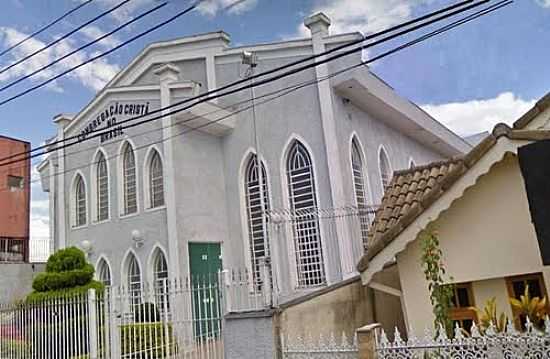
(488,71)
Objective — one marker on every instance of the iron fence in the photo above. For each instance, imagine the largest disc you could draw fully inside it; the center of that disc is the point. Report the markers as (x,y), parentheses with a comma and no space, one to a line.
(509,344)
(39,250)
(13,249)
(320,348)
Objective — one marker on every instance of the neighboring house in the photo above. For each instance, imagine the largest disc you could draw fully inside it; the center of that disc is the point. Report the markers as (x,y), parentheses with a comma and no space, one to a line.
(479,207)
(172,197)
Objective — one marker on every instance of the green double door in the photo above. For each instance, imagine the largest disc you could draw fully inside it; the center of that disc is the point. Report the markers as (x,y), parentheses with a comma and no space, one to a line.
(205,263)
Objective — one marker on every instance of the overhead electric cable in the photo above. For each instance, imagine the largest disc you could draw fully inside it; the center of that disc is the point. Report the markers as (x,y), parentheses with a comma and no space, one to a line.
(307,59)
(46,27)
(294,88)
(126,24)
(63,37)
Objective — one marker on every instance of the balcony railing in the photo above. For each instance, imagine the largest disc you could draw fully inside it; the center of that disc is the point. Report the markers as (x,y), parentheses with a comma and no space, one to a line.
(13,249)
(39,250)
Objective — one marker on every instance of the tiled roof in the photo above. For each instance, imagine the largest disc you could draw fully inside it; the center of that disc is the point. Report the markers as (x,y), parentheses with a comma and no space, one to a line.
(412,191)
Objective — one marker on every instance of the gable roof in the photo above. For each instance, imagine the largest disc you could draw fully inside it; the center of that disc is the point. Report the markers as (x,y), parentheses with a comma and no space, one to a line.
(540,106)
(414,190)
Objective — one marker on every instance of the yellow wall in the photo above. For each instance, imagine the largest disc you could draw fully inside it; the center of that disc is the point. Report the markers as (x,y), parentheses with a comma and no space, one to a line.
(486,234)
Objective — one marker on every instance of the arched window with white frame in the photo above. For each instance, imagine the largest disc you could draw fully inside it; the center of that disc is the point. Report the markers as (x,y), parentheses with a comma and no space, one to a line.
(160,277)
(358,173)
(80,215)
(133,280)
(306,230)
(257,204)
(385,169)
(102,188)
(104,272)
(129,179)
(156,181)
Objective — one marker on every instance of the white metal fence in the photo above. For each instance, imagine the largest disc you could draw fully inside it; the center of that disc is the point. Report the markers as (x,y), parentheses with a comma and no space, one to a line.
(39,250)
(176,319)
(320,348)
(510,344)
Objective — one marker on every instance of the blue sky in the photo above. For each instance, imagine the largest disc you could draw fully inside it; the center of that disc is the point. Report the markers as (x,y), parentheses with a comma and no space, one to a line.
(485,72)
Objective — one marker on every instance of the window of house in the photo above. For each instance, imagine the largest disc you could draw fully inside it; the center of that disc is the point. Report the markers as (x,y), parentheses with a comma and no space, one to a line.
(303,203)
(129,178)
(156,182)
(134,281)
(104,273)
(15,182)
(463,302)
(516,288)
(80,202)
(102,185)
(256,219)
(357,168)
(160,275)
(385,169)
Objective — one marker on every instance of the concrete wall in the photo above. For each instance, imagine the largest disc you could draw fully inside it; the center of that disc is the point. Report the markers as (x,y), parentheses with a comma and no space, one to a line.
(16,280)
(485,235)
(250,336)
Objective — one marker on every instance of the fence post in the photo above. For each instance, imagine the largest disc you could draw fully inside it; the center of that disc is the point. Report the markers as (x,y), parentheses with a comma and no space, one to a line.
(366,341)
(92,323)
(226,278)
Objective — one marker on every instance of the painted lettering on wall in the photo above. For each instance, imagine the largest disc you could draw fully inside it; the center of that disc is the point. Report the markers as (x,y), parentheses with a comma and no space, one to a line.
(108,116)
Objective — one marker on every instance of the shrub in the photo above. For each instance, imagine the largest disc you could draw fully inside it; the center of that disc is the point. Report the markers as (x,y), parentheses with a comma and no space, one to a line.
(10,348)
(147,339)
(67,259)
(58,280)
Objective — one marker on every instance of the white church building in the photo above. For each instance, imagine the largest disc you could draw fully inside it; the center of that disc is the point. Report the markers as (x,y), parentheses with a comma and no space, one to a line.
(185,194)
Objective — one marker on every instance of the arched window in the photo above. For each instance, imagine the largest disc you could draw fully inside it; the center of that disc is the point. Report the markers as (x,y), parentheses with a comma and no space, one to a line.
(257,202)
(160,275)
(104,272)
(358,172)
(80,201)
(102,185)
(412,164)
(303,203)
(134,281)
(129,180)
(385,169)
(156,182)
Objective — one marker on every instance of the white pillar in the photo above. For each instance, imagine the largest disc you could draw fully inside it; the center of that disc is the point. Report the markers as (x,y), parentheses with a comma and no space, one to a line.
(62,203)
(318,25)
(167,75)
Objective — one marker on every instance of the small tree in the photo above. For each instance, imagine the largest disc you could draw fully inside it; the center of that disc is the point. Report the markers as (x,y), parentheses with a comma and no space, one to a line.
(441,293)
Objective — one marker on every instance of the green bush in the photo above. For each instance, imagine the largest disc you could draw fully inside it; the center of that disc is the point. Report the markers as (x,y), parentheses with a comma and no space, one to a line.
(10,348)
(65,292)
(49,281)
(147,339)
(67,259)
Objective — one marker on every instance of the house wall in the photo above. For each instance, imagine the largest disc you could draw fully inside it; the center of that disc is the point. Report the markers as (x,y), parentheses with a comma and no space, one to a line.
(485,235)
(20,273)
(485,290)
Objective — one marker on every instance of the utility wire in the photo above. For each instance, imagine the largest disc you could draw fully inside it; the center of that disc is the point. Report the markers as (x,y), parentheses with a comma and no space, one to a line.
(292,64)
(58,40)
(217,94)
(46,27)
(286,91)
(126,24)
(132,39)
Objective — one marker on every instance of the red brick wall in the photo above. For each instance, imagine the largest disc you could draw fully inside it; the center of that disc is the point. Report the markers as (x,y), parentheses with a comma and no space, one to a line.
(14,203)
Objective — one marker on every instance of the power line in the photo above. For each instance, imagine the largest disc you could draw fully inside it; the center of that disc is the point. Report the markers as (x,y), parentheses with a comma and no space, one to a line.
(126,24)
(132,39)
(46,27)
(61,38)
(217,94)
(292,64)
(286,91)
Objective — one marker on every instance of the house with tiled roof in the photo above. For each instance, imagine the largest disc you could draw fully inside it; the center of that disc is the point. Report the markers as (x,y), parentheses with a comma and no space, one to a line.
(479,207)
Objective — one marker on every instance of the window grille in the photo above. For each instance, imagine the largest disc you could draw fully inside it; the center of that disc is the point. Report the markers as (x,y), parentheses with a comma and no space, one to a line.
(306,229)
(104,273)
(156,184)
(134,282)
(360,190)
(102,189)
(80,202)
(257,230)
(15,182)
(160,274)
(130,186)
(385,169)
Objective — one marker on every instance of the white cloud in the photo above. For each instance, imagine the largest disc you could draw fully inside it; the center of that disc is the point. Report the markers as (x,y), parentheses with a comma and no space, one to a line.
(234,7)
(474,116)
(93,75)
(364,16)
(93,32)
(543,3)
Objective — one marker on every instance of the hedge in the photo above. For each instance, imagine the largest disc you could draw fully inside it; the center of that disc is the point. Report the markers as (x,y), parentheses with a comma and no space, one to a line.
(147,338)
